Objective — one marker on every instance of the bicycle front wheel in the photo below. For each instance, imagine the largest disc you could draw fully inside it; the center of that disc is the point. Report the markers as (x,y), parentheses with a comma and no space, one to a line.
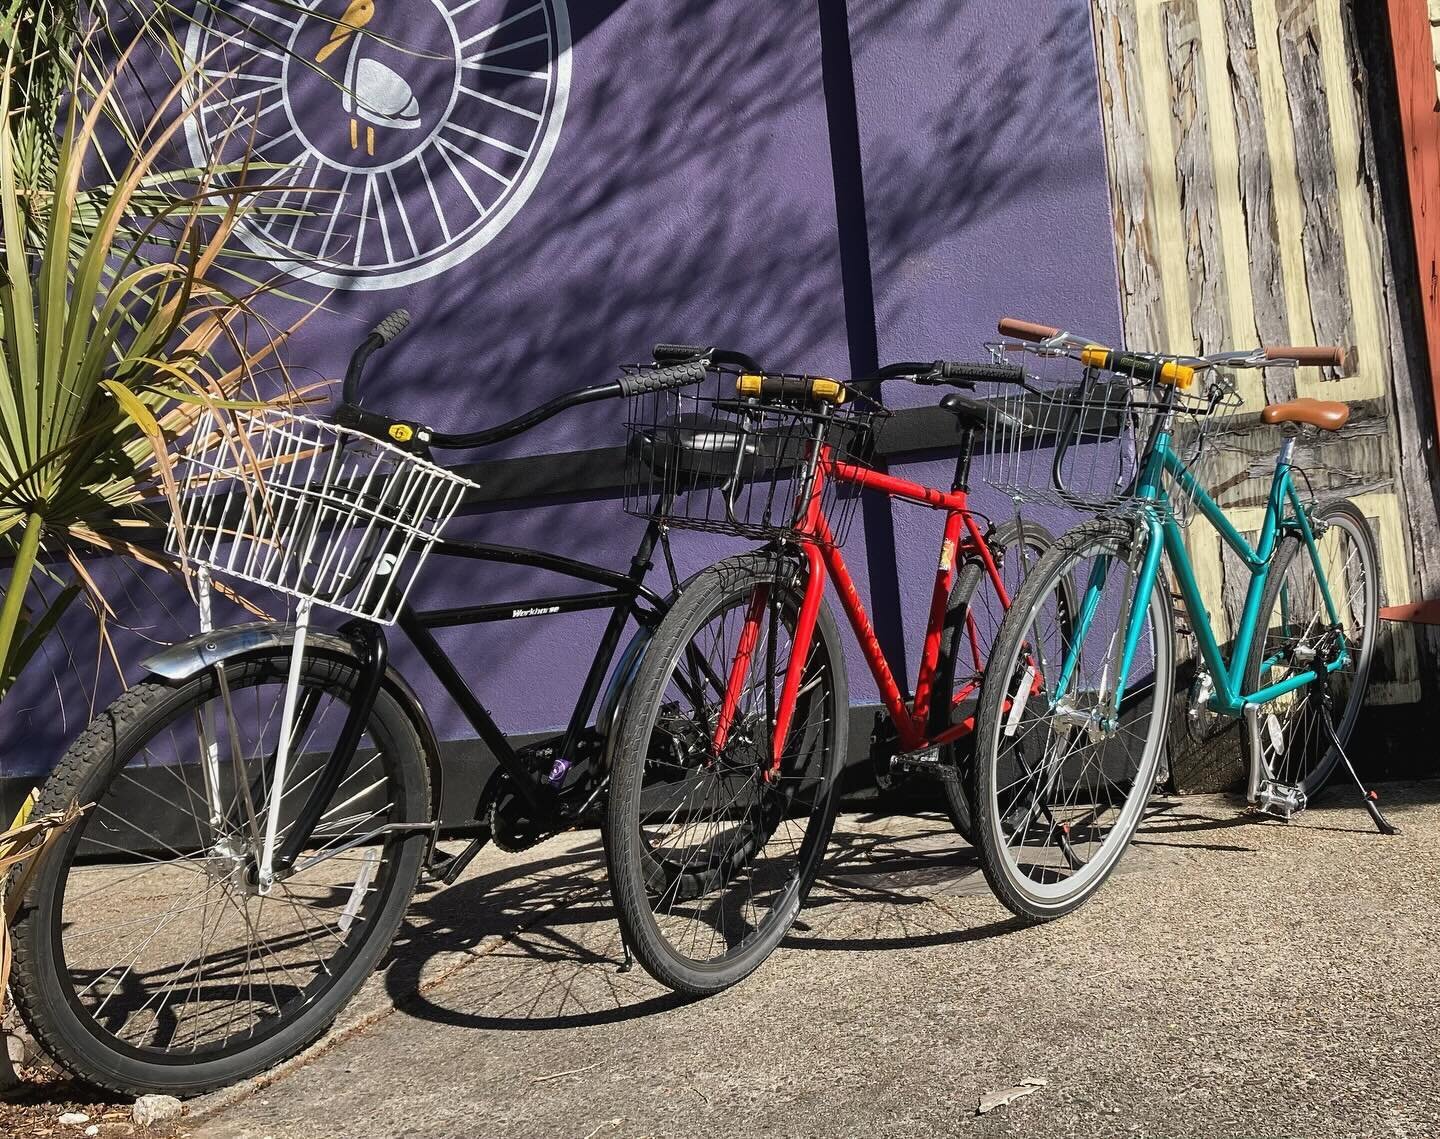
(1065,757)
(712,850)
(146,959)
(1290,744)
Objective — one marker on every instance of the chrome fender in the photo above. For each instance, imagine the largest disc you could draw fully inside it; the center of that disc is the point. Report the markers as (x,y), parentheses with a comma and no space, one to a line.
(189,658)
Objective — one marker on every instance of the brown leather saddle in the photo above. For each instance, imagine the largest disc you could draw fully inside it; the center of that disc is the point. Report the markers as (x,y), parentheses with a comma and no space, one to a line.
(1328,415)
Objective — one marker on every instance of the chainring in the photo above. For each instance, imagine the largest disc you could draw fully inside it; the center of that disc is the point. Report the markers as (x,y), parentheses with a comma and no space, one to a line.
(512,828)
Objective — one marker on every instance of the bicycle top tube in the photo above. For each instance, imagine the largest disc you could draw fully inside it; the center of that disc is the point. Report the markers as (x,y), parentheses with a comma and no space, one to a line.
(416,437)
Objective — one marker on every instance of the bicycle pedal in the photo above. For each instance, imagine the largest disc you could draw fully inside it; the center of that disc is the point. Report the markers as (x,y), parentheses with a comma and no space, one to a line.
(926,762)
(1280,801)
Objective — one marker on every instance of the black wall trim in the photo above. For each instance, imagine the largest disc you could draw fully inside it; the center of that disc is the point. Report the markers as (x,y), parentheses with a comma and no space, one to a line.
(585,474)
(466,765)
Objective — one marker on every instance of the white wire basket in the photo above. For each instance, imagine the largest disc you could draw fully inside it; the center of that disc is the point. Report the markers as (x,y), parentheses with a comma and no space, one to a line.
(317,511)
(1076,436)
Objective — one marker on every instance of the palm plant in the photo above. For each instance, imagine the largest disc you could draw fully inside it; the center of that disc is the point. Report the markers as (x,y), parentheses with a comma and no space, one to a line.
(115,333)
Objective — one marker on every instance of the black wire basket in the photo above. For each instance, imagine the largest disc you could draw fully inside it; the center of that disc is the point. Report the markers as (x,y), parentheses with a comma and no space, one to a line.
(1075,435)
(709,458)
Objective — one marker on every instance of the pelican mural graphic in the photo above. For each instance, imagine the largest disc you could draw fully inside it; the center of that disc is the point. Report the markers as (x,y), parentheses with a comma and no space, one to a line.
(450,131)
(372,91)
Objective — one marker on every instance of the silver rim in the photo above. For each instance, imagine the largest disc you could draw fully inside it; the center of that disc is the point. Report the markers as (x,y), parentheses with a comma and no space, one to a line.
(162,937)
(1070,780)
(1305,757)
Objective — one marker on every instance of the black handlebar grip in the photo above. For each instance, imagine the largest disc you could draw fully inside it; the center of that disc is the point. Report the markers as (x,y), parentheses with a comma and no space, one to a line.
(680,376)
(674,353)
(982,373)
(392,326)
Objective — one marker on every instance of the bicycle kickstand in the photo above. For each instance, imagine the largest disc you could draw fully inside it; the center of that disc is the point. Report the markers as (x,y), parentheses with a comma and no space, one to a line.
(1370,798)
(627,962)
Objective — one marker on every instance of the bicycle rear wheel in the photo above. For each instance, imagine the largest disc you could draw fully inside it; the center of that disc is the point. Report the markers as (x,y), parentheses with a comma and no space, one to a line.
(1295,623)
(1060,779)
(711,854)
(972,622)
(146,960)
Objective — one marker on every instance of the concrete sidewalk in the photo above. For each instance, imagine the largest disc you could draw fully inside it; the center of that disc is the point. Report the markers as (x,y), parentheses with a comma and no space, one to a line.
(1237,978)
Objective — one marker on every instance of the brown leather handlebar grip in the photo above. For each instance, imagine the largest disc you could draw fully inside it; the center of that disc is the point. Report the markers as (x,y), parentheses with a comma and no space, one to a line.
(1343,359)
(1025,330)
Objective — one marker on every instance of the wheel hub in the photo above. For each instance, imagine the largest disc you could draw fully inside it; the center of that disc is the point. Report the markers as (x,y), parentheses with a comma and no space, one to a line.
(1096,725)
(230,865)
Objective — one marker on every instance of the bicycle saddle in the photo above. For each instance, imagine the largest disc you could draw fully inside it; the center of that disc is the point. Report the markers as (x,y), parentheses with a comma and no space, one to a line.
(978,415)
(1328,415)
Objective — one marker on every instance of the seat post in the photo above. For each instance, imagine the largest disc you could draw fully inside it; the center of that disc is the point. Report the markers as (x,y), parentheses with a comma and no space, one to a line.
(962,460)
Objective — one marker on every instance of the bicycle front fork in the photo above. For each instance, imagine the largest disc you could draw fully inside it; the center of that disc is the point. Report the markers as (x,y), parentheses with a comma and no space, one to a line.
(265,873)
(763,606)
(277,852)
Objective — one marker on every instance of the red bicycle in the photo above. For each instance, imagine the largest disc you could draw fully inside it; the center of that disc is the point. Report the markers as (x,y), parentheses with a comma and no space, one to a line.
(724,769)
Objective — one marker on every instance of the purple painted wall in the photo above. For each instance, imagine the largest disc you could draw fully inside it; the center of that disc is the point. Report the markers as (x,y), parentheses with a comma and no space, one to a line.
(986,196)
(690,197)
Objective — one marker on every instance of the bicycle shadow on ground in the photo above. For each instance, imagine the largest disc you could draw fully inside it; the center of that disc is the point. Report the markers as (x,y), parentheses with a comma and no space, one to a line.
(536,941)
(530,942)
(534,945)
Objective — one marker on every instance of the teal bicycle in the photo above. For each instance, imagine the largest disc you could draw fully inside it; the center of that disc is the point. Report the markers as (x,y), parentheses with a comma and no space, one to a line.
(1072,724)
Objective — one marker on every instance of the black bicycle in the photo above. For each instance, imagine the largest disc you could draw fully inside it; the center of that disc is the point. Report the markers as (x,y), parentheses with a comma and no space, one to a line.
(262,805)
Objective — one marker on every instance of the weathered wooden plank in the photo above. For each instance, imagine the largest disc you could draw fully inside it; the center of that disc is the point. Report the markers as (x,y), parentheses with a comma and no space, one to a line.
(1325,265)
(1257,192)
(1195,175)
(1121,95)
(1416,416)
(1314,265)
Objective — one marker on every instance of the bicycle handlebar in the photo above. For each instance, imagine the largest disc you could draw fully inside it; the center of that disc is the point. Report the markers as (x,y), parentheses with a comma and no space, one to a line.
(681,376)
(413,436)
(1176,369)
(1026,330)
(1342,359)
(379,336)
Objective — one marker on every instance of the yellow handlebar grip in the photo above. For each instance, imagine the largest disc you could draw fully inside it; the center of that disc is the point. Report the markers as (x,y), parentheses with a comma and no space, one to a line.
(1139,367)
(750,386)
(1181,375)
(828,390)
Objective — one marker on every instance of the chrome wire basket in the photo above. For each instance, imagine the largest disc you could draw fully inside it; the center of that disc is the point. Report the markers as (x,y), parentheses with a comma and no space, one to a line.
(1074,435)
(317,511)
(709,458)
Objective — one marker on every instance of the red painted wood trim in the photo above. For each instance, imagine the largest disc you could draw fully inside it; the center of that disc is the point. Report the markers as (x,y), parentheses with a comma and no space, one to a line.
(1420,121)
(1420,613)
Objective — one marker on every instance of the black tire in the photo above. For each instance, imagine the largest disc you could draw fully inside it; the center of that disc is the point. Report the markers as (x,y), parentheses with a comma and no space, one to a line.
(1018,548)
(1054,876)
(131,748)
(662,756)
(1307,758)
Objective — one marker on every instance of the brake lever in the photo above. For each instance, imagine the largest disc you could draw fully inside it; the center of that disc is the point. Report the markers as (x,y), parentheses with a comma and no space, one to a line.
(936,380)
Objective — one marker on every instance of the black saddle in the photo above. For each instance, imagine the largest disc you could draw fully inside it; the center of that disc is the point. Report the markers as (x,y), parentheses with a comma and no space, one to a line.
(979,416)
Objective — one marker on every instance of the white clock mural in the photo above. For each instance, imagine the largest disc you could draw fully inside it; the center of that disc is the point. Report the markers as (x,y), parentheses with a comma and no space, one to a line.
(408,133)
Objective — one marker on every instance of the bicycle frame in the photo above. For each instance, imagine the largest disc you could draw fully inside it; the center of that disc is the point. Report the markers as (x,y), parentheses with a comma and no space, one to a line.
(1167,537)
(962,539)
(625,594)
